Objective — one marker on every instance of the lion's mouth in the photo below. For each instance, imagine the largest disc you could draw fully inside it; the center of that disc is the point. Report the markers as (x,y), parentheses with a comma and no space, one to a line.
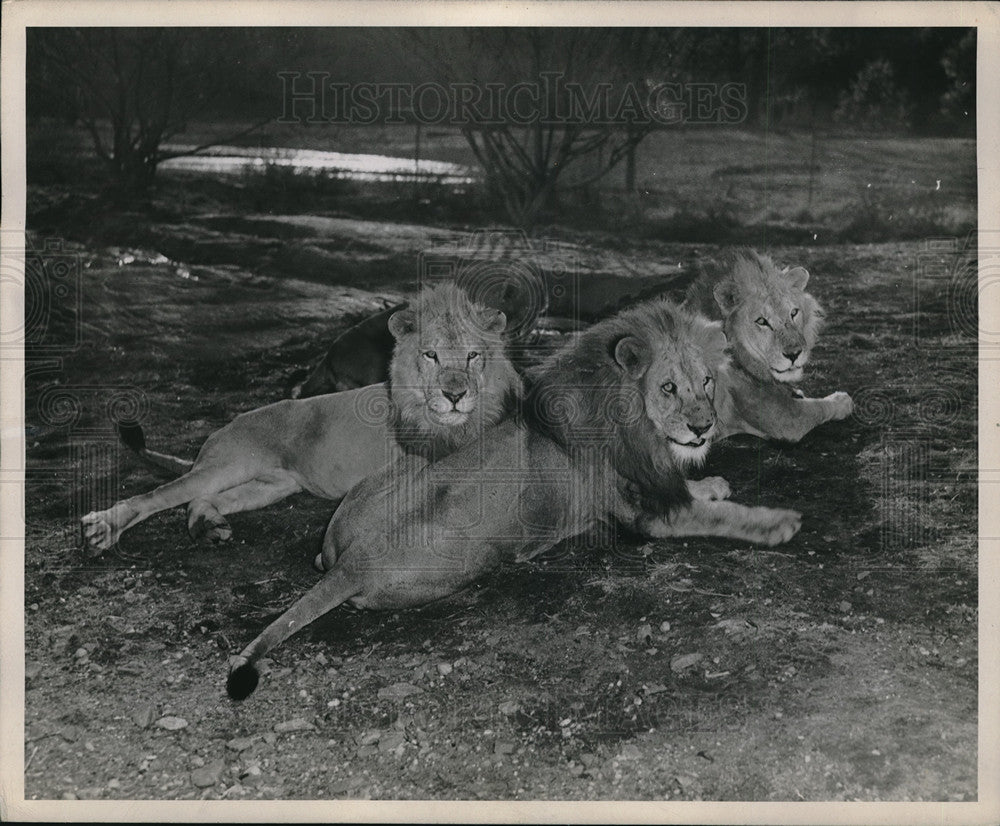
(788,374)
(450,417)
(693,444)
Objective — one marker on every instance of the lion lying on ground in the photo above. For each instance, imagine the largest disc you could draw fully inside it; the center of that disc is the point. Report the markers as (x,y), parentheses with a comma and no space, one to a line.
(610,424)
(450,379)
(771,324)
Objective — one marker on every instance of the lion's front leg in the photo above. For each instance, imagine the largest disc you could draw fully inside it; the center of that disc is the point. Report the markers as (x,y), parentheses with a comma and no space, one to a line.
(808,414)
(773,413)
(709,489)
(763,526)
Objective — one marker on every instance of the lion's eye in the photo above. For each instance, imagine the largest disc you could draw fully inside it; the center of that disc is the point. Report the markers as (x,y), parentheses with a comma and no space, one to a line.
(708,380)
(762,322)
(430,355)
(795,312)
(668,387)
(473,355)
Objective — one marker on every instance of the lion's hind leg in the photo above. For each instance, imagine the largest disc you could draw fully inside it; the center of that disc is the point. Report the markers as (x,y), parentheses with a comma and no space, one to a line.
(102,529)
(764,526)
(206,516)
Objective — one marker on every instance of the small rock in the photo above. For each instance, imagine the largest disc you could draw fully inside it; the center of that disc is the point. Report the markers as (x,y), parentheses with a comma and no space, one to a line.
(144,716)
(87,591)
(397,691)
(197,761)
(644,633)
(81,653)
(391,741)
(69,796)
(664,626)
(629,751)
(575,769)
(270,738)
(207,775)
(32,670)
(589,759)
(172,723)
(295,724)
(845,607)
(504,747)
(683,661)
(509,708)
(367,751)
(239,744)
(368,737)
(117,623)
(444,669)
(114,783)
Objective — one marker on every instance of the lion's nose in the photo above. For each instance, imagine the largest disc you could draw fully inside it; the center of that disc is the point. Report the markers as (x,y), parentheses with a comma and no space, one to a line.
(698,429)
(792,356)
(454,398)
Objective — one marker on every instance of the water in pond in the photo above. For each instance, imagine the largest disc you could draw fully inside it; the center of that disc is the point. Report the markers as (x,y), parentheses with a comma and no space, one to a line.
(239,160)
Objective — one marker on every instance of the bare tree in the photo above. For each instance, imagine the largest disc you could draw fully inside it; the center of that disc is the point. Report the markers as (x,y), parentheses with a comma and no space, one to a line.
(586,96)
(133,89)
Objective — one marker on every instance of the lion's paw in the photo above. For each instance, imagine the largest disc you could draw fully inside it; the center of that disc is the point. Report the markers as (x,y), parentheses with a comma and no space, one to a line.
(711,489)
(841,403)
(99,530)
(778,525)
(210,530)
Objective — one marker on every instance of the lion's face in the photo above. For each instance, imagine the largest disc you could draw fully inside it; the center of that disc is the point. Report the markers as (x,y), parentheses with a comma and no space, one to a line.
(449,368)
(677,385)
(772,324)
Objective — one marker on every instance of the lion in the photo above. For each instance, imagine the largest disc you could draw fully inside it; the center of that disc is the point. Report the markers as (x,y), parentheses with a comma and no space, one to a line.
(608,428)
(450,379)
(772,325)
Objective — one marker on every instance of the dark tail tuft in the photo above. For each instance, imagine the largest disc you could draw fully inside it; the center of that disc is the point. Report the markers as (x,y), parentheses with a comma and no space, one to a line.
(131,434)
(242,681)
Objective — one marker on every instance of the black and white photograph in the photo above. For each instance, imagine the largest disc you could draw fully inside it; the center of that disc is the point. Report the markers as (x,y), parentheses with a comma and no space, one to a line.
(421,410)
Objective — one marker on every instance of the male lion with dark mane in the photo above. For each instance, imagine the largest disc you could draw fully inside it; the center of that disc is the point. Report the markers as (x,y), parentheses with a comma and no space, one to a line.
(771,324)
(450,379)
(610,424)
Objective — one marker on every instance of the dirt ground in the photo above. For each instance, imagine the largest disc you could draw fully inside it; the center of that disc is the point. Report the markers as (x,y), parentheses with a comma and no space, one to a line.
(841,666)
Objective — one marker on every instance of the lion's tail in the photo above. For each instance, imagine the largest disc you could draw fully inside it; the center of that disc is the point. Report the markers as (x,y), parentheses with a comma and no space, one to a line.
(135,440)
(336,587)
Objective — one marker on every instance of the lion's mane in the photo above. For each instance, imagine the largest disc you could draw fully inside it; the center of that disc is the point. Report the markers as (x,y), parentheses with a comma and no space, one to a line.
(582,399)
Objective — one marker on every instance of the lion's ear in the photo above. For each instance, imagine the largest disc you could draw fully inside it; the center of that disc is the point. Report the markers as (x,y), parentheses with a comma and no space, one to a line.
(726,295)
(798,277)
(494,321)
(632,355)
(402,322)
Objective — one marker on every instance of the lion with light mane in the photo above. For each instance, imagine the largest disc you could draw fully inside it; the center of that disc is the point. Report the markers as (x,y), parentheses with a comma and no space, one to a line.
(450,378)
(772,325)
(609,425)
